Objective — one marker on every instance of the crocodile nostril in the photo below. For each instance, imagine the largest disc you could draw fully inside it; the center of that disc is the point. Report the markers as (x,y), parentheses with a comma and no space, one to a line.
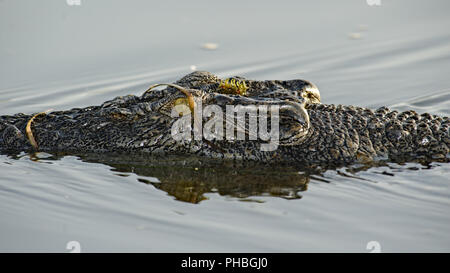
(311,94)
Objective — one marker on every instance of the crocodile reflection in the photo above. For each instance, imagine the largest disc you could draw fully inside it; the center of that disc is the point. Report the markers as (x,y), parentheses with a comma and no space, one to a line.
(190,179)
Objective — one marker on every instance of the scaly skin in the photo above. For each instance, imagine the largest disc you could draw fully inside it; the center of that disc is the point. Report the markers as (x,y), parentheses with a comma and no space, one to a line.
(310,132)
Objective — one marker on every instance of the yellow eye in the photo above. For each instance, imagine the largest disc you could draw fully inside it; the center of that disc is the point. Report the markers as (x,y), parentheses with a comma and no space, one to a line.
(233,86)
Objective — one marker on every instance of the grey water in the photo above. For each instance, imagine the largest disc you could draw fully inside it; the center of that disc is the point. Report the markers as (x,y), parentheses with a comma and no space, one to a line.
(58,56)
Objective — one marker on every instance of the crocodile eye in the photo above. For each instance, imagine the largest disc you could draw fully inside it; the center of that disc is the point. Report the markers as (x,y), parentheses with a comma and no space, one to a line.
(233,86)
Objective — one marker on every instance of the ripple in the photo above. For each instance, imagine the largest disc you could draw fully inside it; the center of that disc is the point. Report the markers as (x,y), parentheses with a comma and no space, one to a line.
(435,103)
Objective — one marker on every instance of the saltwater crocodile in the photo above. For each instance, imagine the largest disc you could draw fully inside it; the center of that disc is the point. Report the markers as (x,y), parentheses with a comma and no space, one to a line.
(308,132)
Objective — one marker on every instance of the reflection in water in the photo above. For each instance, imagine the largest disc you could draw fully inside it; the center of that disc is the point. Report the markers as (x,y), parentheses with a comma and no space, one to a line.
(189,179)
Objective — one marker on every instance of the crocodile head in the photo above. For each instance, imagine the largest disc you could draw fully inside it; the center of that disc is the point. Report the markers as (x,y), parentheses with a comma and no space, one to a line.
(271,113)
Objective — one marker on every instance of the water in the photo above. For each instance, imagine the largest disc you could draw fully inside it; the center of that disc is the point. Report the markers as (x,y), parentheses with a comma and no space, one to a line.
(58,56)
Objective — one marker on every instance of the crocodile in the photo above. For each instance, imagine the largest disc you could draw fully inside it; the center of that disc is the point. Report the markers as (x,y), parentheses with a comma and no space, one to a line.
(307,131)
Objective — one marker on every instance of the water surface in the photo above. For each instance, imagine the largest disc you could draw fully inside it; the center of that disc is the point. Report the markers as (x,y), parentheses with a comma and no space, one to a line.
(59,56)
